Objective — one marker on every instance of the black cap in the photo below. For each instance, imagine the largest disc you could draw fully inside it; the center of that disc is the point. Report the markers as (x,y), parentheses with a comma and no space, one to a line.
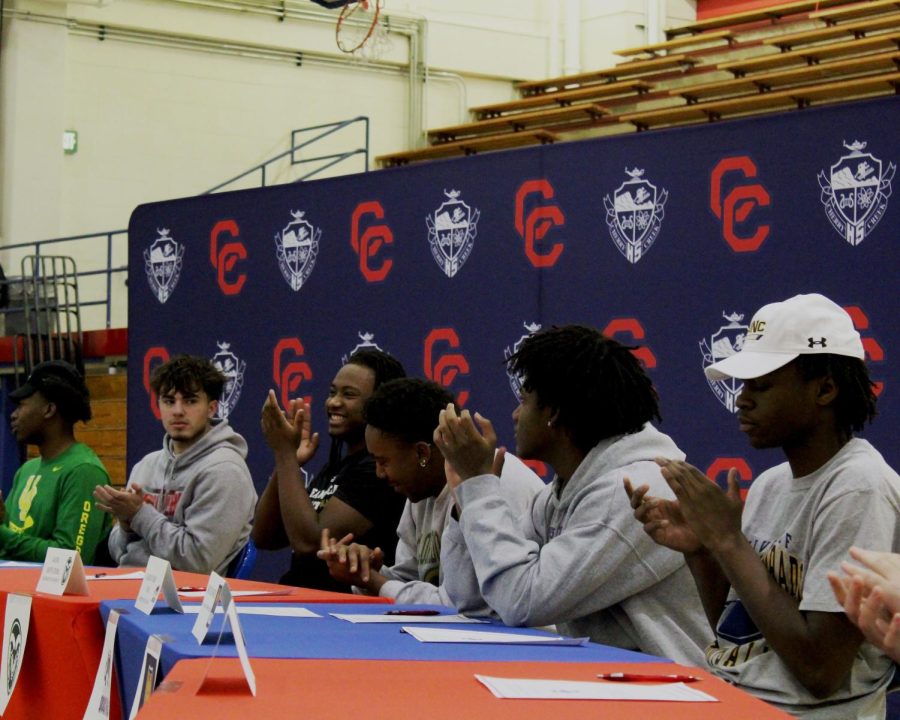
(61,371)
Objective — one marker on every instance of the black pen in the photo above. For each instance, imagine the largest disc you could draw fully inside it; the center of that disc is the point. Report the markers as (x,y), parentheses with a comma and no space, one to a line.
(424,613)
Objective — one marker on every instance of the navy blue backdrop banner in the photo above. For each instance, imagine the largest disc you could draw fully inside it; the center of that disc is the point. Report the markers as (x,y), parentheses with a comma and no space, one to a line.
(667,240)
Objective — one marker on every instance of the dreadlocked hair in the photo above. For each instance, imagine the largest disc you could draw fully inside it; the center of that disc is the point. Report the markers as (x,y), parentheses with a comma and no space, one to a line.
(386,367)
(855,402)
(597,386)
(408,408)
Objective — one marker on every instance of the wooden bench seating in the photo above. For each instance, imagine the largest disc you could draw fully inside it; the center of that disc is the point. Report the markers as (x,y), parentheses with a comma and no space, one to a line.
(679,43)
(812,55)
(565,97)
(469,146)
(552,118)
(773,13)
(858,28)
(844,13)
(798,97)
(622,70)
(763,82)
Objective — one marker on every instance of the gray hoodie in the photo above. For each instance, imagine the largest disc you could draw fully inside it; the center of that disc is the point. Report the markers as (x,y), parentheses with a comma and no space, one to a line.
(579,559)
(198,506)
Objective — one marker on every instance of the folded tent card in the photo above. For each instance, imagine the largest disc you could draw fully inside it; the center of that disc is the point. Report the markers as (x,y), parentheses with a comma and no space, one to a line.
(448,635)
(62,573)
(543,689)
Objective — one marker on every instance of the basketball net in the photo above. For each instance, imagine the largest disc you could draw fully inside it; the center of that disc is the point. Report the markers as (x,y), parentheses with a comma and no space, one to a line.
(361,30)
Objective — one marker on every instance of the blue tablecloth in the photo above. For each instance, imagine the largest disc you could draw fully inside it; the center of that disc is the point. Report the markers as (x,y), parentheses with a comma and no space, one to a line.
(326,637)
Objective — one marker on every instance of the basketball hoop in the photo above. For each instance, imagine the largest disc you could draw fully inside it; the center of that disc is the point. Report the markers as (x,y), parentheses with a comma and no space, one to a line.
(357,24)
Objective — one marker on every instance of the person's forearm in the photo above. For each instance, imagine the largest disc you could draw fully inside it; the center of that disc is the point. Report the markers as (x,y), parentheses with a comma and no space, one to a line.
(268,531)
(811,656)
(712,585)
(300,520)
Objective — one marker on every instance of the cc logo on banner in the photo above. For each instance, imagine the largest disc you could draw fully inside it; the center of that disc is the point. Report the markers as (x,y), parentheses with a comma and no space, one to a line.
(444,369)
(287,377)
(722,465)
(153,357)
(534,226)
(738,203)
(367,245)
(224,258)
(873,349)
(540,468)
(632,329)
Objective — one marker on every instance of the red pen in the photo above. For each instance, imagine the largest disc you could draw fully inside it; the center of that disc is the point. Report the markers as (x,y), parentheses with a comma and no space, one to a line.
(424,613)
(637,677)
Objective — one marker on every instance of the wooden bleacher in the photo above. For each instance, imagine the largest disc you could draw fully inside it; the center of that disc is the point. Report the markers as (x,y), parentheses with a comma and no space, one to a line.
(857,10)
(106,431)
(856,29)
(471,146)
(555,117)
(790,56)
(679,43)
(587,93)
(794,97)
(771,14)
(764,82)
(812,55)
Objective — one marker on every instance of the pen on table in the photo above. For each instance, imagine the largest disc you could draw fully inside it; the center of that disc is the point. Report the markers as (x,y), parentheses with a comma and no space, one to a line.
(98,575)
(638,677)
(188,588)
(424,613)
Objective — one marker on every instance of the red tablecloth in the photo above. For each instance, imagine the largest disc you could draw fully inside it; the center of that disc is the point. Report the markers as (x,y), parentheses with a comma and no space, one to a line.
(433,690)
(65,637)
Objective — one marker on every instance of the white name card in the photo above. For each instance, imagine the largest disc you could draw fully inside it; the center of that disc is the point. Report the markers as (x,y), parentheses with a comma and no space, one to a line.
(62,573)
(98,705)
(158,578)
(218,593)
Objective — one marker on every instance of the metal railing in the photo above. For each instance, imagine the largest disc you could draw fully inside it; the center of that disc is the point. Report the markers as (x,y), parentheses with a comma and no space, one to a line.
(37,248)
(52,312)
(332,159)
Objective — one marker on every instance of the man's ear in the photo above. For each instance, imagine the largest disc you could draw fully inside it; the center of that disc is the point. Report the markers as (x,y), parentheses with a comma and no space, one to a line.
(423,453)
(213,407)
(553,420)
(827,391)
(51,410)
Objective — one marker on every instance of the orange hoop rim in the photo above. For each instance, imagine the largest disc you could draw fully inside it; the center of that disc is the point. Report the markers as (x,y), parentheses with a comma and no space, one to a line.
(346,13)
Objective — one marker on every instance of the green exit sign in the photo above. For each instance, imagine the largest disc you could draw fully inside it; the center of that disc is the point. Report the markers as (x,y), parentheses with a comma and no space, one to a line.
(70,142)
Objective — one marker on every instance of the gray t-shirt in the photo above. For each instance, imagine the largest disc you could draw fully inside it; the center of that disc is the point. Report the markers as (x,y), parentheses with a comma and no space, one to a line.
(803,528)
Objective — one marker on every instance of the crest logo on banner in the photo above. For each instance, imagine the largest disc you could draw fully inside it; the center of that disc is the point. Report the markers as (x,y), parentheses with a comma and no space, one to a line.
(855,192)
(725,342)
(451,233)
(296,247)
(232,367)
(515,382)
(162,263)
(366,343)
(634,214)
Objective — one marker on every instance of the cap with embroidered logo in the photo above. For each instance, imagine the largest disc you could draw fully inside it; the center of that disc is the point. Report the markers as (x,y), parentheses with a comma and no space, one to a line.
(780,332)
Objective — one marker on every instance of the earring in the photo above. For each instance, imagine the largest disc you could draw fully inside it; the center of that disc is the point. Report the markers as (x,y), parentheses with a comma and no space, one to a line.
(423,462)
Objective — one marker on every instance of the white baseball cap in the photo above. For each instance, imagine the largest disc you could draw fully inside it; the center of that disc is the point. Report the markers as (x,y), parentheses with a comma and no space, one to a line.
(782,331)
